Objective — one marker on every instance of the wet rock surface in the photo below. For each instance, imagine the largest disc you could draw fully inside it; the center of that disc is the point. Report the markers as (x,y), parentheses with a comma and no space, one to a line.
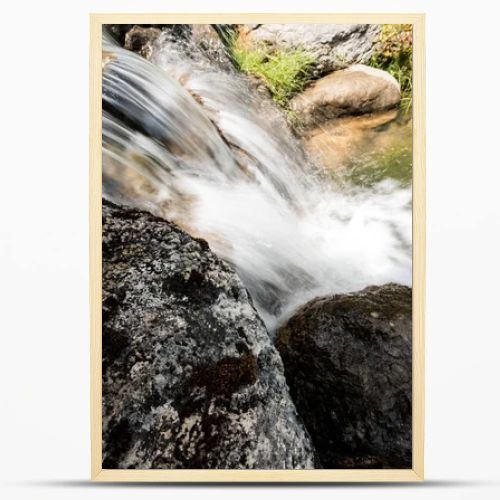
(142,40)
(207,39)
(348,363)
(199,42)
(190,377)
(334,46)
(119,31)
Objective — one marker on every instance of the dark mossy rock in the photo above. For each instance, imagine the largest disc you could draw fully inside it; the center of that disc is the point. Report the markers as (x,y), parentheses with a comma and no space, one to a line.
(190,376)
(348,361)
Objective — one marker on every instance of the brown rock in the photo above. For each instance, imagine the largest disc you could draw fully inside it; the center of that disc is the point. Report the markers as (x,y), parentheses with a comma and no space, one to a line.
(356,90)
(141,40)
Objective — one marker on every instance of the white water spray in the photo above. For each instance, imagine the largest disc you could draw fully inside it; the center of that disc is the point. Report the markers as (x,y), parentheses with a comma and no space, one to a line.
(197,147)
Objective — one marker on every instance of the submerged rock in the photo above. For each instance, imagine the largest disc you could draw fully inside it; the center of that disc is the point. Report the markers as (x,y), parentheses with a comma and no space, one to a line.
(334,46)
(190,376)
(356,90)
(210,42)
(348,361)
(346,141)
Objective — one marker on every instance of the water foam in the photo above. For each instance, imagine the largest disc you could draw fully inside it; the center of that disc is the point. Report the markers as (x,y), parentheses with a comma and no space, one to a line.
(198,147)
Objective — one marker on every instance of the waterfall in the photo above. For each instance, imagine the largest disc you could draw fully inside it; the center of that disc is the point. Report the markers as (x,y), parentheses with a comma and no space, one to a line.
(198,147)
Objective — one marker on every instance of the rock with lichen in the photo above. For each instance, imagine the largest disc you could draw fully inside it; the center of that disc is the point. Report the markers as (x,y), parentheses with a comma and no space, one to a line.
(190,376)
(333,46)
(348,360)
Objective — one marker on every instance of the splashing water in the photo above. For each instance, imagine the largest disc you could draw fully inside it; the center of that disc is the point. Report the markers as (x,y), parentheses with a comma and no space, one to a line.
(198,147)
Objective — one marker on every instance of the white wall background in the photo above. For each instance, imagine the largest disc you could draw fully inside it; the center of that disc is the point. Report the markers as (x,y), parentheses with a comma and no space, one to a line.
(44,446)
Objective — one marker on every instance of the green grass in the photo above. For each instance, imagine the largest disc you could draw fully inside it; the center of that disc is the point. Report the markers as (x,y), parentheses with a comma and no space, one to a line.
(284,73)
(394,54)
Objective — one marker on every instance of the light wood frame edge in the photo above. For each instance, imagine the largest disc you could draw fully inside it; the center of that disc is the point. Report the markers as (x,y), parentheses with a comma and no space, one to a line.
(95,241)
(95,259)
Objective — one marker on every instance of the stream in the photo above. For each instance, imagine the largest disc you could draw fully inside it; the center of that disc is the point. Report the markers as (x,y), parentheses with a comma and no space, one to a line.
(198,147)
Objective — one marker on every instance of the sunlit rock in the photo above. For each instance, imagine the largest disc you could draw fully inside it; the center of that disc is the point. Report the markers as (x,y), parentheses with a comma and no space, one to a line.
(333,46)
(356,90)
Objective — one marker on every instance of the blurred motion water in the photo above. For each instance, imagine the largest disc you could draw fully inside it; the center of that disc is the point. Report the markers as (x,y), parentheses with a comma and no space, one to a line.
(198,147)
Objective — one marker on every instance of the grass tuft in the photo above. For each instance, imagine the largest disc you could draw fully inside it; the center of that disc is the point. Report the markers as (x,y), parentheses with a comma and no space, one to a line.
(284,72)
(394,54)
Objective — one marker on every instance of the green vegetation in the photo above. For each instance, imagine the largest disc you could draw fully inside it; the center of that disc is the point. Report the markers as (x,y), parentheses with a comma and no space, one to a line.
(284,73)
(394,55)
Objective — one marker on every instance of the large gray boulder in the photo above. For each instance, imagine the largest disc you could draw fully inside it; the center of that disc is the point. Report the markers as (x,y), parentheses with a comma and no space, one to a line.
(190,376)
(356,90)
(348,360)
(334,46)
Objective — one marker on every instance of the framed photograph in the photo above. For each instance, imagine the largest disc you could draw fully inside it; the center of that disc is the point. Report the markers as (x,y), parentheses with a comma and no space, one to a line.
(257,247)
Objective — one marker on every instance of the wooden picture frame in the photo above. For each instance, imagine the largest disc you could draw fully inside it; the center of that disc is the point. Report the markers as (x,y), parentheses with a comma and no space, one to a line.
(317,475)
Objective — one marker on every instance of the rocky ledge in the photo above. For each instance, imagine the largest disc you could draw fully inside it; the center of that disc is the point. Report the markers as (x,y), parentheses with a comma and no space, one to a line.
(348,362)
(334,46)
(190,376)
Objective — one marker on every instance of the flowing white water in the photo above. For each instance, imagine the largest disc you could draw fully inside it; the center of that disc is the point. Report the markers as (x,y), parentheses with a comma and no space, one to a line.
(196,146)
